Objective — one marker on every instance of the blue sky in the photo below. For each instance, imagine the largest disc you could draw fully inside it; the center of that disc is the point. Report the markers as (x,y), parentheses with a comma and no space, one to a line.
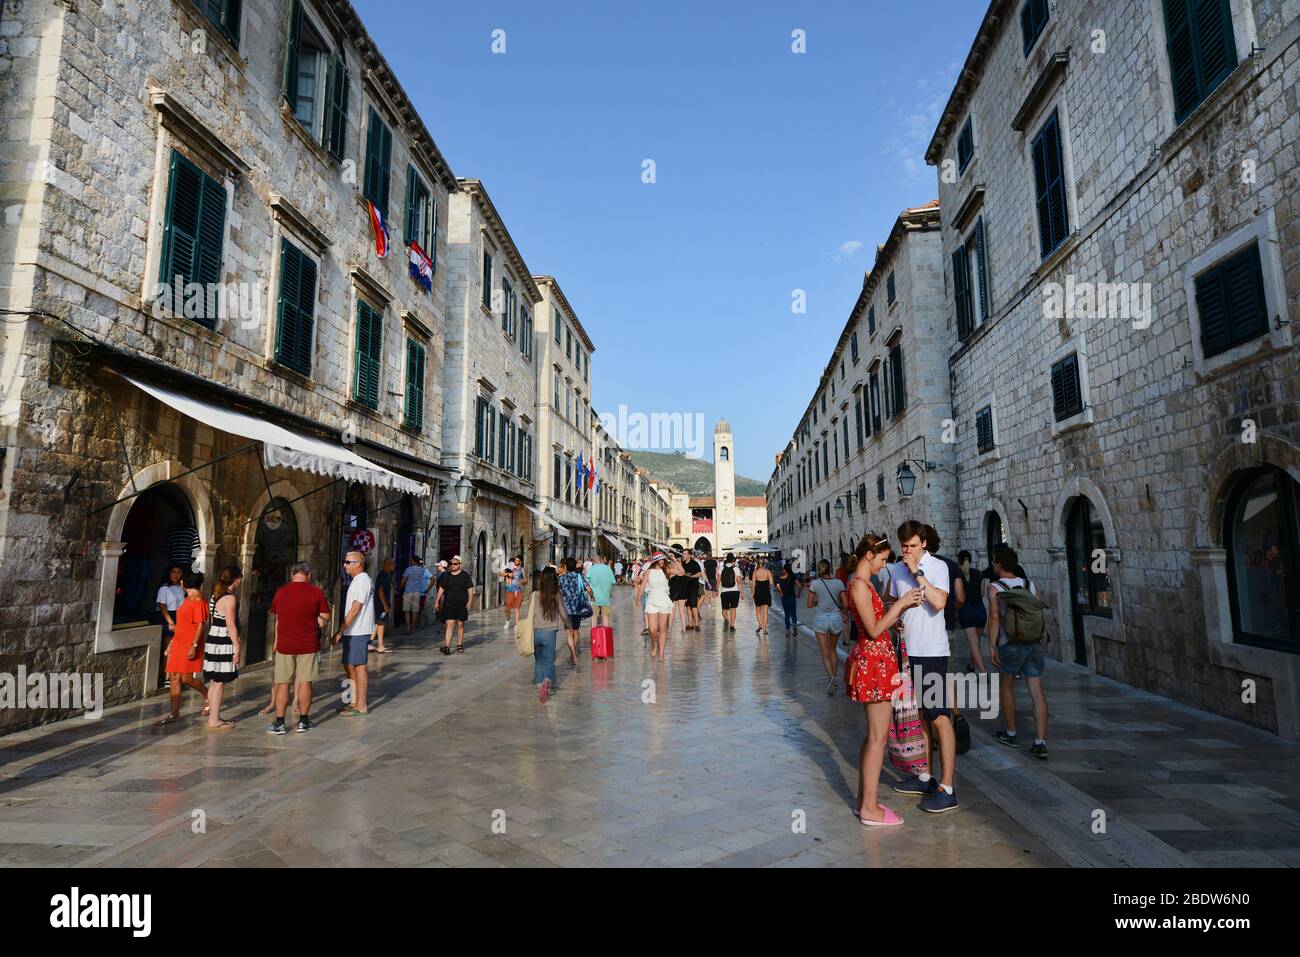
(775,171)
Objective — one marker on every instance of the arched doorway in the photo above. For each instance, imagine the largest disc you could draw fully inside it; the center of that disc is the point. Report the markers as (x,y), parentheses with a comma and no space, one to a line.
(1262,537)
(702,544)
(994,534)
(1090,592)
(274,554)
(480,569)
(159,531)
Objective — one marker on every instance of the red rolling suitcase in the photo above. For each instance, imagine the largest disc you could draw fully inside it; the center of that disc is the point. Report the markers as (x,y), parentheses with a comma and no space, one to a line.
(602,641)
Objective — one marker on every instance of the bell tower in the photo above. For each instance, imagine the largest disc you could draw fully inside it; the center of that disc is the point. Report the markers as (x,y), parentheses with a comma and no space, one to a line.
(724,485)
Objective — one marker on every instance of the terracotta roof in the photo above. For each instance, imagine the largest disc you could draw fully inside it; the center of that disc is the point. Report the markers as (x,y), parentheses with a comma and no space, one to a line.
(751,500)
(702,501)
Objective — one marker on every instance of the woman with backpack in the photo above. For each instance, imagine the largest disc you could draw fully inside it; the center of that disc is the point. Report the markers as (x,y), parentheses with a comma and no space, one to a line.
(871,673)
(826,594)
(972,616)
(788,585)
(1016,634)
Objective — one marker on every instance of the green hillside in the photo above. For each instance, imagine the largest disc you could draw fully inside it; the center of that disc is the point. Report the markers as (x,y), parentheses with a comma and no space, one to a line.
(693,475)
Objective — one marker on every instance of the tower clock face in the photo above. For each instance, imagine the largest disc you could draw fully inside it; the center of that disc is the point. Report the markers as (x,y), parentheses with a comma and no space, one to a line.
(726,497)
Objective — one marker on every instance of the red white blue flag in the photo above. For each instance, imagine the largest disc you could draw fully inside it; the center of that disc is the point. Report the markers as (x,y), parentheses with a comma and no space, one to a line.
(380,227)
(421,266)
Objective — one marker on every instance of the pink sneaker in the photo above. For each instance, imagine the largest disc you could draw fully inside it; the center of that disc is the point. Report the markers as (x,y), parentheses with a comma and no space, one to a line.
(544,691)
(891,819)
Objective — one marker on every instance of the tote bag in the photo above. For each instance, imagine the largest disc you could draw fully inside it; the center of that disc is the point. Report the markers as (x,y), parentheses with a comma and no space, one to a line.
(524,630)
(906,737)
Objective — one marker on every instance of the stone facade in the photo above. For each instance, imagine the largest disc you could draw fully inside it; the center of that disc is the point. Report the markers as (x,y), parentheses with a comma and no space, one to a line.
(489,432)
(92,115)
(854,436)
(1156,194)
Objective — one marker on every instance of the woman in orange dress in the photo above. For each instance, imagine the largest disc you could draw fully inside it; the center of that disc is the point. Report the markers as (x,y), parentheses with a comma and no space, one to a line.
(181,668)
(875,672)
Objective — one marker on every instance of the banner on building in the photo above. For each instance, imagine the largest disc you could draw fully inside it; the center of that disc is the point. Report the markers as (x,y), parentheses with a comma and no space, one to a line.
(701,520)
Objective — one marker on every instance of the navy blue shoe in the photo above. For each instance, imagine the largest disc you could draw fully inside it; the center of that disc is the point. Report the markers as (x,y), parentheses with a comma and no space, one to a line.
(939,801)
(914,785)
(1039,751)
(1010,740)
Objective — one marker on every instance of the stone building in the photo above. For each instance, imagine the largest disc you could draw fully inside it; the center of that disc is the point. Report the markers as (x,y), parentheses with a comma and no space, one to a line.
(1121,247)
(566,424)
(281,399)
(874,447)
(652,513)
(489,428)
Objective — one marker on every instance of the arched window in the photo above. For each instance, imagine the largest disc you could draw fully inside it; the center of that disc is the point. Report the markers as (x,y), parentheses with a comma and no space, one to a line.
(994,534)
(1084,545)
(725,454)
(1263,545)
(159,531)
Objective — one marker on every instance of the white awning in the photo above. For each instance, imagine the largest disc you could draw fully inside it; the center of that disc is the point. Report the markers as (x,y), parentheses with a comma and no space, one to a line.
(560,530)
(284,448)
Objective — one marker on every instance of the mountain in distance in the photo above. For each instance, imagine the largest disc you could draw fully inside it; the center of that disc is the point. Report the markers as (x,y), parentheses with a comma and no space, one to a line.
(692,475)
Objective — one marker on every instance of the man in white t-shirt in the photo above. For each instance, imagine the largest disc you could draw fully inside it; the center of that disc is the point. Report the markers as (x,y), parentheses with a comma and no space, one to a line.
(358,623)
(927,648)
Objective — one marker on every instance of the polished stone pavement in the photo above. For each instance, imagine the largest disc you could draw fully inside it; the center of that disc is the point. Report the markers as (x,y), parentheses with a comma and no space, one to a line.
(460,765)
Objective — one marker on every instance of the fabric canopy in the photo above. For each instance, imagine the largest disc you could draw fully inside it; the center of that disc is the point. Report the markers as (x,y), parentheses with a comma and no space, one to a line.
(560,530)
(284,448)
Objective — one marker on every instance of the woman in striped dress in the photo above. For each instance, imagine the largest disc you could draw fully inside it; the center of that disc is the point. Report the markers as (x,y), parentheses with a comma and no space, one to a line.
(221,649)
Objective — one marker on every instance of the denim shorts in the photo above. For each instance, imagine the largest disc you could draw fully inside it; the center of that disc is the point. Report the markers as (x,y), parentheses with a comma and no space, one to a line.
(828,621)
(356,649)
(1021,658)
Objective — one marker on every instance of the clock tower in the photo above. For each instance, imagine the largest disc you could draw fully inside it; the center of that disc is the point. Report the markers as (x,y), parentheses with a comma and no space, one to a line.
(724,486)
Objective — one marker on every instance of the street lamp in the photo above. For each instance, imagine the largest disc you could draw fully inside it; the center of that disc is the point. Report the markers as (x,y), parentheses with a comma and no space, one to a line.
(463,488)
(839,510)
(906,481)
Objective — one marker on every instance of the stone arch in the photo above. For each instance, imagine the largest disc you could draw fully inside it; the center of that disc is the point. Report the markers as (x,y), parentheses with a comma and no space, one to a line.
(1074,487)
(1233,458)
(286,490)
(995,505)
(112,547)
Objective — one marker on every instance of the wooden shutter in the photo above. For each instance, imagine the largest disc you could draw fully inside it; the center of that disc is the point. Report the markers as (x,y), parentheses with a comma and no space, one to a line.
(193,231)
(965,146)
(961,291)
(292,43)
(369,349)
(379,155)
(296,309)
(981,263)
(1067,400)
(408,227)
(1049,183)
(871,320)
(415,372)
(1230,303)
(336,107)
(984,429)
(1202,49)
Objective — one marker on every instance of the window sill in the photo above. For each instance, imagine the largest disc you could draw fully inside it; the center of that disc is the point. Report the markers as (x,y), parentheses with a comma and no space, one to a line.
(1080,420)
(356,405)
(293,375)
(486,311)
(305,135)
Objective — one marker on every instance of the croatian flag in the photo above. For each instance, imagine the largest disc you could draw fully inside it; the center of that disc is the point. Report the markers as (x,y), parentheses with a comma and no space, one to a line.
(421,267)
(380,227)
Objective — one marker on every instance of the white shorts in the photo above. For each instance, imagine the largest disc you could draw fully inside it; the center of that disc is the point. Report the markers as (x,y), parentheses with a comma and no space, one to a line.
(828,622)
(659,608)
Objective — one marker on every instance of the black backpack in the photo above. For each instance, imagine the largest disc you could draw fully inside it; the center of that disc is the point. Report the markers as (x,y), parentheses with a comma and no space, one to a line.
(728,576)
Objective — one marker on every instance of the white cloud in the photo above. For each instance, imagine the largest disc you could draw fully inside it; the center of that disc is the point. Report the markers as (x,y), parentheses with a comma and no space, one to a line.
(848,249)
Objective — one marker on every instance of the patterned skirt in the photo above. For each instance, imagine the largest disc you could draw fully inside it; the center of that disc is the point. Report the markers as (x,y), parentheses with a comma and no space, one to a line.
(219,654)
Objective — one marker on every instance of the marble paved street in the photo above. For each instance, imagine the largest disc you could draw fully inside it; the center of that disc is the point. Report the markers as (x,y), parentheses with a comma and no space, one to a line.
(738,746)
(460,765)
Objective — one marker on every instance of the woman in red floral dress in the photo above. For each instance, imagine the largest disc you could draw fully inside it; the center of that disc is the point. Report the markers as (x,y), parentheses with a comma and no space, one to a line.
(875,672)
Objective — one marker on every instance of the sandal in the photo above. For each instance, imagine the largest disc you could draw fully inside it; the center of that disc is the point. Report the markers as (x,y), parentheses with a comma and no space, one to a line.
(460,649)
(353,713)
(171,718)
(223,726)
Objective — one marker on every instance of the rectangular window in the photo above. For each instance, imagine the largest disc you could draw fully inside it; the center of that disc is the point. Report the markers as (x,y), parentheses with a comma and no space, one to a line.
(296,308)
(890,292)
(503,440)
(224,15)
(858,417)
(568,342)
(1202,50)
(970,282)
(823,403)
(369,351)
(557,322)
(194,230)
(826,459)
(555,392)
(1230,302)
(415,372)
(418,227)
(480,426)
(862,498)
(526,333)
(1049,186)
(817,466)
(304,65)
(880,488)
(1033,18)
(871,321)
(1067,395)
(379,161)
(337,89)
(853,345)
(568,480)
(984,429)
(557,487)
(896,379)
(487,279)
(490,447)
(875,402)
(507,307)
(965,146)
(846,436)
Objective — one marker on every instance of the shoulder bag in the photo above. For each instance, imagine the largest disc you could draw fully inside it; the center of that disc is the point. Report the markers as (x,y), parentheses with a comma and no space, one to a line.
(524,630)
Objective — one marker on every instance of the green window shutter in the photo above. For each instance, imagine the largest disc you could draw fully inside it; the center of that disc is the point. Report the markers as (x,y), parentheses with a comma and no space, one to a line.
(1215,43)
(984,429)
(415,366)
(368,353)
(336,108)
(1067,400)
(1230,303)
(386,163)
(293,42)
(379,155)
(1202,50)
(193,230)
(961,291)
(1049,183)
(296,309)
(982,265)
(432,251)
(408,229)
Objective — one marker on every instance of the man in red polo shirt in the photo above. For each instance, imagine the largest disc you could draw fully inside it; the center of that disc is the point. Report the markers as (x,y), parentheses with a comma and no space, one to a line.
(300,611)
